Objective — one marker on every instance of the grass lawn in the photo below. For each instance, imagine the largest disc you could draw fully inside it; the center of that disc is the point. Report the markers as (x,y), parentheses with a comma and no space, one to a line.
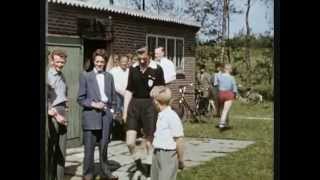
(259,110)
(252,163)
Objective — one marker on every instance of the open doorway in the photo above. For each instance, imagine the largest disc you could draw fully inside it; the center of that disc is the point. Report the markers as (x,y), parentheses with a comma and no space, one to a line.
(90,46)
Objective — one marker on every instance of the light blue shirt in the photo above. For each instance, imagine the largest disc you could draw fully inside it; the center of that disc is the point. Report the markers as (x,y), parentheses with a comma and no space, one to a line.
(226,82)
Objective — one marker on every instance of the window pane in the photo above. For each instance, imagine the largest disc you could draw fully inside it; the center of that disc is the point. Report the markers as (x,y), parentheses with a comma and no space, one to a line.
(151,45)
(179,53)
(162,43)
(170,49)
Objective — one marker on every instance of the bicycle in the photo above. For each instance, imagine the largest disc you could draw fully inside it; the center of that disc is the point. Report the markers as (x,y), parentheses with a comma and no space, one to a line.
(182,105)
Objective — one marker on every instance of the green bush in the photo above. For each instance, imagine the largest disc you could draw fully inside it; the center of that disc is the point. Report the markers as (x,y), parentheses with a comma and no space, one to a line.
(258,76)
(266,90)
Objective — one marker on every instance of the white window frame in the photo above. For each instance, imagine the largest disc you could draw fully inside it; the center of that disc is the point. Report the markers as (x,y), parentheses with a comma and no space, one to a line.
(166,50)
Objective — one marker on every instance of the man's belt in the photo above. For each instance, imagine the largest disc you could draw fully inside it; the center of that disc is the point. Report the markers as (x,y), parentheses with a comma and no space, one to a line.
(161,149)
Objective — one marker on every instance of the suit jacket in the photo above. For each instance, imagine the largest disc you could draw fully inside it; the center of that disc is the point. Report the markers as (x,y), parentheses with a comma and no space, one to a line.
(93,119)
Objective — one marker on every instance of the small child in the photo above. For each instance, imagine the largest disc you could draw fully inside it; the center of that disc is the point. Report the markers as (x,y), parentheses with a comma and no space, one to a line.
(168,138)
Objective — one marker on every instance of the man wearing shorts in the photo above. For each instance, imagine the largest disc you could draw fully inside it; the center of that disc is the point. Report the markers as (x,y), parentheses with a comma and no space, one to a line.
(139,111)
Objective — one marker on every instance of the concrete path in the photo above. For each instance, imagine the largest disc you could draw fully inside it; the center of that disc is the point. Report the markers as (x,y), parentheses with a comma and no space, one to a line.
(198,150)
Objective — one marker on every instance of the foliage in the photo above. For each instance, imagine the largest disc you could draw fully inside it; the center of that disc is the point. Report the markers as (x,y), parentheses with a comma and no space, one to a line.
(266,90)
(256,41)
(207,55)
(261,74)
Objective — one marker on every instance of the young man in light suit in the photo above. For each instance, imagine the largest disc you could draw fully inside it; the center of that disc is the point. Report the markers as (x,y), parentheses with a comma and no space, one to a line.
(97,96)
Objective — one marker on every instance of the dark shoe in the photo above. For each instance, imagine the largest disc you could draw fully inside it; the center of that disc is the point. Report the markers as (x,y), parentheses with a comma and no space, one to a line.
(225,128)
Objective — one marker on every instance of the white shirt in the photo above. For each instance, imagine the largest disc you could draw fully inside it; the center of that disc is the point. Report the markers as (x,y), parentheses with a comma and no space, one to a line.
(168,126)
(169,69)
(100,80)
(120,78)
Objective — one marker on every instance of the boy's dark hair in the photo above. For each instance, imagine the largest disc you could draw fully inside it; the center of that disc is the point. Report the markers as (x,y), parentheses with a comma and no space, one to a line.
(100,52)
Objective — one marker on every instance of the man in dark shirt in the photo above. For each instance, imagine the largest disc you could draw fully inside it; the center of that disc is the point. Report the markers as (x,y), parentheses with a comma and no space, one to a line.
(139,111)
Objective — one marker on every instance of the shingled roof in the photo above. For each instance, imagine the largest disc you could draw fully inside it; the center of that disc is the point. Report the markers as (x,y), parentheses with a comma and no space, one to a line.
(104,6)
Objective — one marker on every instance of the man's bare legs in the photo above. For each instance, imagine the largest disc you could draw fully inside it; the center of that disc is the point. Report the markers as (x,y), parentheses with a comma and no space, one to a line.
(131,142)
(137,157)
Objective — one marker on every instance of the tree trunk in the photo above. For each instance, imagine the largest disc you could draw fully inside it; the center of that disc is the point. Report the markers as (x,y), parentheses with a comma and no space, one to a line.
(224,28)
(158,6)
(143,5)
(228,35)
(247,51)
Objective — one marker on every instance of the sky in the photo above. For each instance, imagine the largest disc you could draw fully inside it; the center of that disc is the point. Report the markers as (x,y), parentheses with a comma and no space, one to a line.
(260,18)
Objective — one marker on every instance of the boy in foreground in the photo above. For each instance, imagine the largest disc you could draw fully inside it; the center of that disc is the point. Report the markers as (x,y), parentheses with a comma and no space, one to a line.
(168,138)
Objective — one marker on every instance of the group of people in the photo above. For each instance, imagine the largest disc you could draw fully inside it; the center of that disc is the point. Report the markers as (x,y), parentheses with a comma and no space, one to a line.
(138,92)
(218,90)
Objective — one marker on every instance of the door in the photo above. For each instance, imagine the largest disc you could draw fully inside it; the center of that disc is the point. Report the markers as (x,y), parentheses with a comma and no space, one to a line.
(71,70)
